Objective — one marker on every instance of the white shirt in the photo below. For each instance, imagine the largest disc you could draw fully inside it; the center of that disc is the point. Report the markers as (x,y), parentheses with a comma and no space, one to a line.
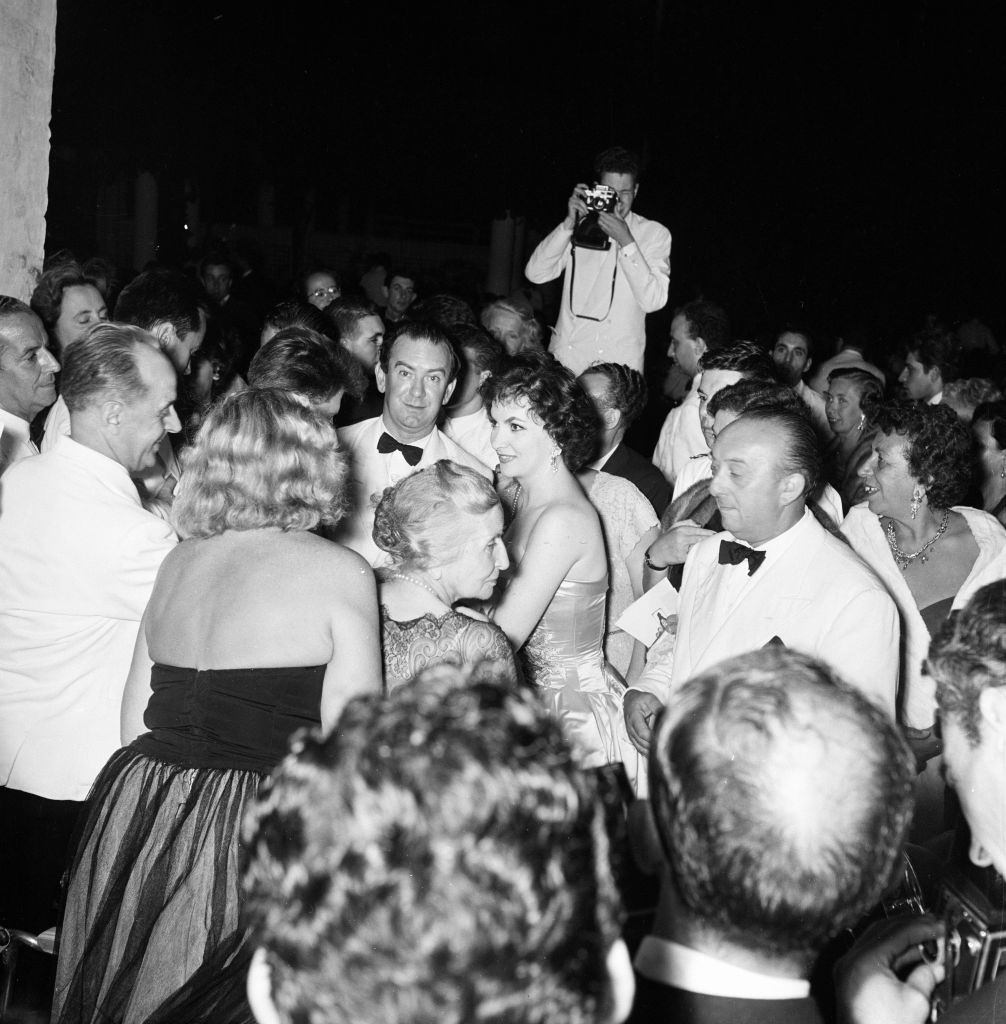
(682,967)
(15,440)
(78,558)
(372,472)
(472,433)
(640,273)
(680,438)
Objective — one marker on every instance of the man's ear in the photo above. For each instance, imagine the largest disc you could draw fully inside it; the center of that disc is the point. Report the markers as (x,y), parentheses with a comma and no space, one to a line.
(701,348)
(792,487)
(484,376)
(623,981)
(611,418)
(381,377)
(165,333)
(449,390)
(111,413)
(259,989)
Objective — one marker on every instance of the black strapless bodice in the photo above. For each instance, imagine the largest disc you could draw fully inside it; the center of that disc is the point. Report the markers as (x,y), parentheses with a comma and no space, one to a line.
(228,718)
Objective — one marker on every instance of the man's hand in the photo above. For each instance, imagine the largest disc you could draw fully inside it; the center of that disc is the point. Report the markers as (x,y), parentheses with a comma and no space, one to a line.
(615,228)
(672,547)
(576,207)
(868,983)
(640,713)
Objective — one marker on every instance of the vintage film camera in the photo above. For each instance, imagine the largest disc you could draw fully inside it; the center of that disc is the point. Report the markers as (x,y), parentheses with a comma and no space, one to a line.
(588,234)
(973,904)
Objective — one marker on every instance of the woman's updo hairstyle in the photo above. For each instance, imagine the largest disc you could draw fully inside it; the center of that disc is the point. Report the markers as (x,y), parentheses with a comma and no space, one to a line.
(556,400)
(417,520)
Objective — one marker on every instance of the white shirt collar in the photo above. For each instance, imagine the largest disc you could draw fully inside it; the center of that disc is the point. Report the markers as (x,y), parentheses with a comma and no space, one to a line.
(781,544)
(599,464)
(670,963)
(937,399)
(15,426)
(421,443)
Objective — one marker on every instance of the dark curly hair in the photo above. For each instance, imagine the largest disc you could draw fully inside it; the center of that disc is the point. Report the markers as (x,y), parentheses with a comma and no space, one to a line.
(625,391)
(940,450)
(556,399)
(47,298)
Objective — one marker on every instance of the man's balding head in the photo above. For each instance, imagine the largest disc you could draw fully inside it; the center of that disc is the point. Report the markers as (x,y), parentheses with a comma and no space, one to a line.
(27,367)
(781,796)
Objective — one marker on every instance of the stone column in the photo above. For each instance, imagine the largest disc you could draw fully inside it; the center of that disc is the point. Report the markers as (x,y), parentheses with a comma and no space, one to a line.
(27,56)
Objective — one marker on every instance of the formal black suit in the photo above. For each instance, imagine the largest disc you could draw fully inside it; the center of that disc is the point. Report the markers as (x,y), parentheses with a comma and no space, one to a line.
(630,465)
(661,1004)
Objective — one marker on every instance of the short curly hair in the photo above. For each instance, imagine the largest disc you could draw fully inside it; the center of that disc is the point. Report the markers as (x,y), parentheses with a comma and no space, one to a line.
(260,459)
(417,520)
(47,298)
(556,400)
(940,451)
(438,856)
(625,390)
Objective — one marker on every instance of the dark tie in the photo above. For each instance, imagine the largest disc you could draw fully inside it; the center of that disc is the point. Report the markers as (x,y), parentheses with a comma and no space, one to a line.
(410,452)
(732,552)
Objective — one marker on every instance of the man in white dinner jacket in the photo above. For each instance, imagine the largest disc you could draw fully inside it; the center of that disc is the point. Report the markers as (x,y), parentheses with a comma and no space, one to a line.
(775,577)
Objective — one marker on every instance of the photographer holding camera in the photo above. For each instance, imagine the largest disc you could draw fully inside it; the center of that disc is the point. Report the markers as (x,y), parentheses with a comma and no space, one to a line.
(885,977)
(617,267)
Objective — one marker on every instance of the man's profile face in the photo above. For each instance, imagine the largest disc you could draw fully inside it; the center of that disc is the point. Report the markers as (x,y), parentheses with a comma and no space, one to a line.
(685,350)
(27,367)
(217,281)
(626,187)
(145,420)
(365,344)
(918,382)
(747,481)
(708,384)
(978,775)
(181,349)
(791,356)
(415,386)
(401,292)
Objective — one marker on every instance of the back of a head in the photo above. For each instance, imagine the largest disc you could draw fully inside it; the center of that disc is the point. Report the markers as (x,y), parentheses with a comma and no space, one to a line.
(448,311)
(707,321)
(160,296)
(625,390)
(438,856)
(103,365)
(781,796)
(743,357)
(294,313)
(301,361)
(346,313)
(480,349)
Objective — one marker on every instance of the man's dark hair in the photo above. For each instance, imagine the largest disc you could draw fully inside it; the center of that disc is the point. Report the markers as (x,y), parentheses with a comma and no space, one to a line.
(743,357)
(431,333)
(968,655)
(750,394)
(616,160)
(160,296)
(799,327)
(440,856)
(479,348)
(936,346)
(347,312)
(707,321)
(300,314)
(102,365)
(625,389)
(299,360)
(798,449)
(448,311)
(215,259)
(47,298)
(781,796)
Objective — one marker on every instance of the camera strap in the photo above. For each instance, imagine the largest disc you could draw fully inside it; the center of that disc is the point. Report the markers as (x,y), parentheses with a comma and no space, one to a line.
(572,284)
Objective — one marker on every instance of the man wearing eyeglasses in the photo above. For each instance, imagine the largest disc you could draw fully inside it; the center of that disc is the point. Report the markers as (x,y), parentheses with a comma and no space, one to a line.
(606,292)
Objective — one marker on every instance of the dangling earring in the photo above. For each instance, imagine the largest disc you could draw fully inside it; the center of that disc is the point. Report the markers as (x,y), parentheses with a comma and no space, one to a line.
(1002,472)
(916,504)
(862,422)
(554,460)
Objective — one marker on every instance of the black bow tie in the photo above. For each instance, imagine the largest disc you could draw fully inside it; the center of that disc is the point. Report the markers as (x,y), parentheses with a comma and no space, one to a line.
(733,553)
(412,453)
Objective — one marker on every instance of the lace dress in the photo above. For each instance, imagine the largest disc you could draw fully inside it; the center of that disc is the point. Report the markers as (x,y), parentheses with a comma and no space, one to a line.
(151,929)
(564,658)
(452,639)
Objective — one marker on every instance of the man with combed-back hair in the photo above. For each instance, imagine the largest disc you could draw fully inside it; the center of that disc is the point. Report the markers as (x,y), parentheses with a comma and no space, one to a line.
(619,395)
(78,557)
(437,857)
(781,797)
(774,576)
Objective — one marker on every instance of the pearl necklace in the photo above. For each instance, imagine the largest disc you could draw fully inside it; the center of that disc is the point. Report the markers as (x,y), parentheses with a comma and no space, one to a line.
(416,583)
(903,558)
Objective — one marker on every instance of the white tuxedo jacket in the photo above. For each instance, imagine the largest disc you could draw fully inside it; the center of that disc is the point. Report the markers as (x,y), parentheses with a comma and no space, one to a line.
(817,597)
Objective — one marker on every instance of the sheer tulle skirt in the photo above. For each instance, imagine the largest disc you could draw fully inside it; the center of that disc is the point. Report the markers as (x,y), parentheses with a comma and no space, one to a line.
(151,929)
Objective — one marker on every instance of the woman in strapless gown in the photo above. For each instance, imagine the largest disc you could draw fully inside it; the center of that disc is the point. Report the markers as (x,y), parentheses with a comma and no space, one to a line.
(553,606)
(255,628)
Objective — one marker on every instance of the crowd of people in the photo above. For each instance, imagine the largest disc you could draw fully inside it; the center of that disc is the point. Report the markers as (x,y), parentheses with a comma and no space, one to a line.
(404,532)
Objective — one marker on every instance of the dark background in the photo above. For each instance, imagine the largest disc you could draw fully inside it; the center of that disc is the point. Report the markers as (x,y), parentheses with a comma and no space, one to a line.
(845,159)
